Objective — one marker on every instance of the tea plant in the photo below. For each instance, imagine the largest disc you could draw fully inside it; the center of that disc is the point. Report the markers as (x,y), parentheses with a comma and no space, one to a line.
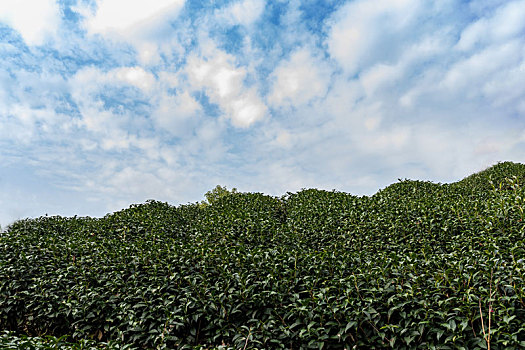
(417,265)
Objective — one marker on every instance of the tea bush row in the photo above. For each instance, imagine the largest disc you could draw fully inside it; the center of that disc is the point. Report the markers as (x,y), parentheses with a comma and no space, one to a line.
(417,265)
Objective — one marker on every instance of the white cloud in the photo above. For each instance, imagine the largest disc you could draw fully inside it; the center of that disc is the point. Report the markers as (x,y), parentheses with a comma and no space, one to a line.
(117,184)
(129,17)
(168,79)
(23,124)
(148,53)
(218,74)
(92,79)
(507,22)
(135,76)
(132,181)
(107,129)
(140,23)
(506,89)
(387,141)
(379,76)
(361,31)
(224,84)
(477,72)
(246,109)
(282,139)
(384,80)
(35,20)
(243,12)
(299,79)
(28,106)
(177,114)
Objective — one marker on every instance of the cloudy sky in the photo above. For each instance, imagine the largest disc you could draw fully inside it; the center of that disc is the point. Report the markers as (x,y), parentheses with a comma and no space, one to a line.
(104,103)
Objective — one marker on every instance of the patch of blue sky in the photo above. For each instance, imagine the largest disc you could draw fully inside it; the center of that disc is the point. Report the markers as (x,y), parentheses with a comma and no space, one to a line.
(314,14)
(14,53)
(68,13)
(70,61)
(16,56)
(240,143)
(274,12)
(231,39)
(210,109)
(197,8)
(173,60)
(65,104)
(98,51)
(9,35)
(123,100)
(271,27)
(20,175)
(93,52)
(78,48)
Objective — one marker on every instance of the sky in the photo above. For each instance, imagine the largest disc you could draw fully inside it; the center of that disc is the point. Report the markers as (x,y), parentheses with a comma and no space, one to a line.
(106,103)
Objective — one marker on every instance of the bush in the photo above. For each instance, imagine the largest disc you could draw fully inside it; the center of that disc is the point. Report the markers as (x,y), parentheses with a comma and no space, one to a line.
(417,265)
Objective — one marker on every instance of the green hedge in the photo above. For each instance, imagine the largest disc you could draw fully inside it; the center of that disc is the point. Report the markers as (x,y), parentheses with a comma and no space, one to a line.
(417,265)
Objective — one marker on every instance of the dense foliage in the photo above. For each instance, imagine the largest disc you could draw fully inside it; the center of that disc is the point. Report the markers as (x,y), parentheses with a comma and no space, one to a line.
(417,265)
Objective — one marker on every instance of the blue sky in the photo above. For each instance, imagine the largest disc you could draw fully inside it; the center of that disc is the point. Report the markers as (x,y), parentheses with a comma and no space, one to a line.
(105,103)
